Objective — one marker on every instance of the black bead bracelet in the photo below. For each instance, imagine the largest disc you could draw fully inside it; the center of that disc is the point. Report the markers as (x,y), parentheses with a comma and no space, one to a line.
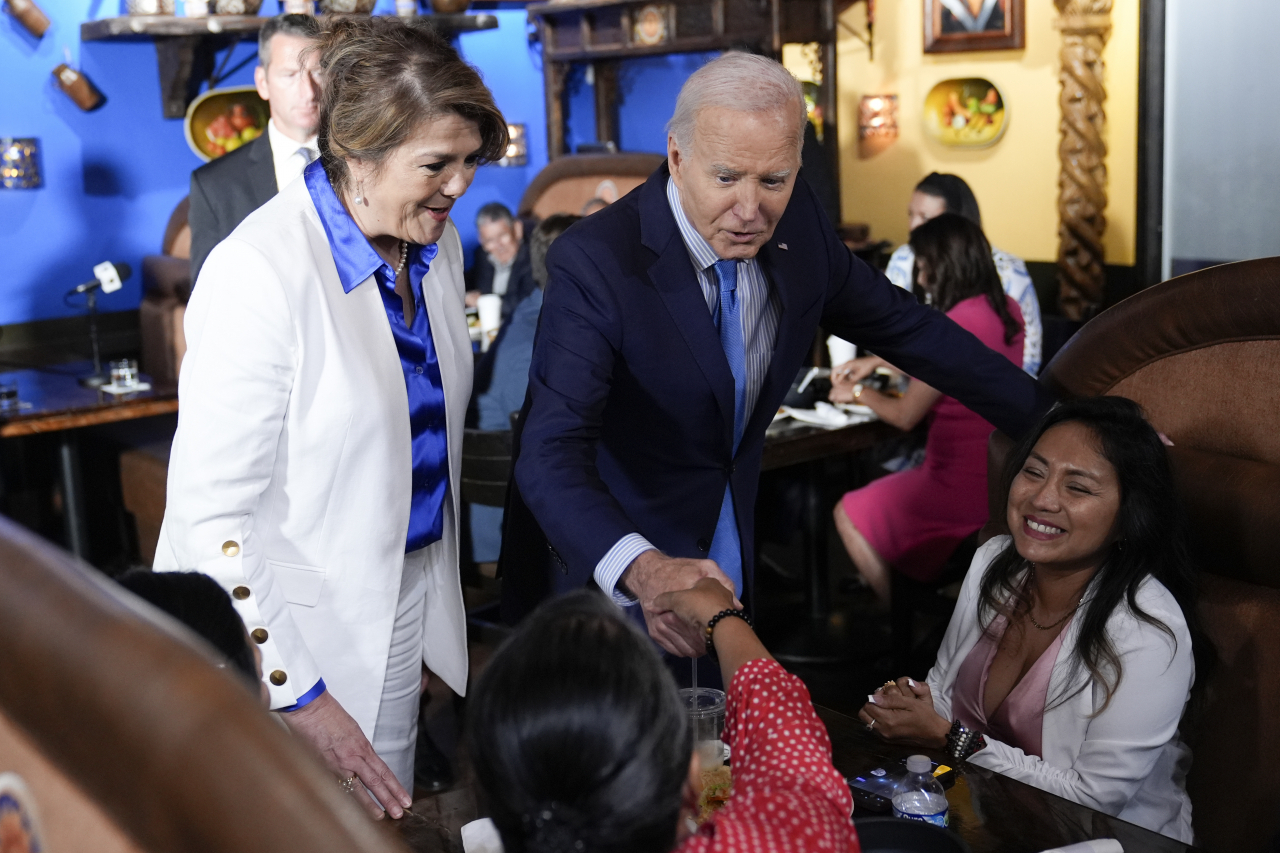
(714,620)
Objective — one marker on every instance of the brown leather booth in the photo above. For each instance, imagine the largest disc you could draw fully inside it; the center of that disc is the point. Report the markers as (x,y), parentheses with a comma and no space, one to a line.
(166,286)
(567,183)
(1201,354)
(130,738)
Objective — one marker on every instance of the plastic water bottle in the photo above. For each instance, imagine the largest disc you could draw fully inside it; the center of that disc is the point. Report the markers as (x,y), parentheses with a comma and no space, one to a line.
(919,796)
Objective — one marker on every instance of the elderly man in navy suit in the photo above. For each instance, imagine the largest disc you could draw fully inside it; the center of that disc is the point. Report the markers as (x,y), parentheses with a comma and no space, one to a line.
(673,325)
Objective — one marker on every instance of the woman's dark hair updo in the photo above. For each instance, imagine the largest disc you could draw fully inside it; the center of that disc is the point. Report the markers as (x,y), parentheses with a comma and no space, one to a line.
(578,736)
(1150,541)
(381,78)
(955,194)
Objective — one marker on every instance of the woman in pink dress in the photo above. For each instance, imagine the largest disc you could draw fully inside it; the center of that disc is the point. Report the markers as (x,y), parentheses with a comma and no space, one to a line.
(911,521)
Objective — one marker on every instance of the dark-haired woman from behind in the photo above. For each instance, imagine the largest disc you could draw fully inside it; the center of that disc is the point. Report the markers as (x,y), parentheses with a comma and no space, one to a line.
(581,743)
(1074,645)
(912,521)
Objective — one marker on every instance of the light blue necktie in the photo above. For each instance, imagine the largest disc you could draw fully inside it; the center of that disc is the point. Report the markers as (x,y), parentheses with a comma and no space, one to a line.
(726,547)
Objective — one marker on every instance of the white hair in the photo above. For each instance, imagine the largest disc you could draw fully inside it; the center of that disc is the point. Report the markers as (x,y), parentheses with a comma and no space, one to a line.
(737,81)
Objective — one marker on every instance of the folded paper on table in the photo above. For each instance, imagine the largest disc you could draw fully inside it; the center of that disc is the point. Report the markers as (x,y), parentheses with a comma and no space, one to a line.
(830,417)
(481,836)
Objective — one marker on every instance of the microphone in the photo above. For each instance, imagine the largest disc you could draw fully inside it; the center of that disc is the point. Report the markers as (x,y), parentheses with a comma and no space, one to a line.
(108,276)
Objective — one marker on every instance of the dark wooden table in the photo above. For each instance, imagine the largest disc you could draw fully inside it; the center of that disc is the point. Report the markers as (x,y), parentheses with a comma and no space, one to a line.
(822,640)
(992,813)
(52,400)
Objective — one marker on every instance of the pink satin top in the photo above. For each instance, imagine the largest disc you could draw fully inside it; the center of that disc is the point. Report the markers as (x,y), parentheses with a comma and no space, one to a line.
(1019,719)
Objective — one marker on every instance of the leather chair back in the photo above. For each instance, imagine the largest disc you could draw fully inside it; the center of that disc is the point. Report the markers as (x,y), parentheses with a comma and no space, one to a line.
(1201,354)
(567,183)
(130,738)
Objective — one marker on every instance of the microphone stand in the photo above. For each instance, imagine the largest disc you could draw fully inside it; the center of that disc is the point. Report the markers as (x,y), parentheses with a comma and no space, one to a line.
(96,379)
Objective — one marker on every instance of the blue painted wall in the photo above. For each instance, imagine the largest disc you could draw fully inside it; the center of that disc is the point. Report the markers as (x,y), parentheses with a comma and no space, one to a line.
(113,176)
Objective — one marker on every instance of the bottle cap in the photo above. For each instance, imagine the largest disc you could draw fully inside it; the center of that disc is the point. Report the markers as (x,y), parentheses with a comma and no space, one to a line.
(919,764)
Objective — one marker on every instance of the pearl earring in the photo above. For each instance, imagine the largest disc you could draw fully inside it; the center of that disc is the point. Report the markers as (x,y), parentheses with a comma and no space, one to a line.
(359,199)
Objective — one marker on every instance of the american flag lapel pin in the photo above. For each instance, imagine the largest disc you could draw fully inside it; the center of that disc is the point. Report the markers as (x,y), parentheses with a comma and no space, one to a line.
(782,246)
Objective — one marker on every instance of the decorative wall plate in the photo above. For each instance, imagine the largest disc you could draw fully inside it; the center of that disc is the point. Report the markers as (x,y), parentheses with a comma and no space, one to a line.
(650,27)
(19,824)
(222,120)
(966,112)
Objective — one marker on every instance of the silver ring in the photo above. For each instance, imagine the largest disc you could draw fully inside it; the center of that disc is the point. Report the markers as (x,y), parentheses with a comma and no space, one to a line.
(349,784)
(871,725)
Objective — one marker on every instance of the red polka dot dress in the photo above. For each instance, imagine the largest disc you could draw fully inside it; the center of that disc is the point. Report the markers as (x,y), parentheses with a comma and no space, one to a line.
(786,794)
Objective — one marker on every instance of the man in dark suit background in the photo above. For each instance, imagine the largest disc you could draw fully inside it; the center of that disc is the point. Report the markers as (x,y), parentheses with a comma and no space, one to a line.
(236,184)
(501,263)
(674,323)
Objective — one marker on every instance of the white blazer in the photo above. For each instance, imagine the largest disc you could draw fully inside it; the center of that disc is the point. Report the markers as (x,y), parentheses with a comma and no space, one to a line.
(1128,760)
(289,480)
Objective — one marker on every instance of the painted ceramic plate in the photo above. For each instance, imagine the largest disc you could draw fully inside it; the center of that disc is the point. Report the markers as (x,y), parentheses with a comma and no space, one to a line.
(19,824)
(222,120)
(965,113)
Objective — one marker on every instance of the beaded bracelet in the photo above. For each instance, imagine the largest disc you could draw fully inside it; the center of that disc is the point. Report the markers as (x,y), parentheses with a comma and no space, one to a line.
(963,742)
(711,626)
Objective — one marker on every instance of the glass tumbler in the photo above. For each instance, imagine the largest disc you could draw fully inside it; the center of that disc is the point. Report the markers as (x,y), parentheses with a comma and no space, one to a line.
(124,372)
(705,706)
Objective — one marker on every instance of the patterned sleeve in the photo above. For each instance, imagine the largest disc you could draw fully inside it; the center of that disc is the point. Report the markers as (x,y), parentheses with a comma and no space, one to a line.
(787,796)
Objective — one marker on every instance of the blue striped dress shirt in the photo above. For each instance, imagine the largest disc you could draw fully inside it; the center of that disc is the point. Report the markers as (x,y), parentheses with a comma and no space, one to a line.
(759,309)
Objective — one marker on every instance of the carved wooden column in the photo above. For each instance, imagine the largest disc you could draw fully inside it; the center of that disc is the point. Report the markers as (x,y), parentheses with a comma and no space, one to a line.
(1082,185)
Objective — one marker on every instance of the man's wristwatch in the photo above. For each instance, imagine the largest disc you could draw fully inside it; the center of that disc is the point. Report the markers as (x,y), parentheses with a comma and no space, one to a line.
(963,742)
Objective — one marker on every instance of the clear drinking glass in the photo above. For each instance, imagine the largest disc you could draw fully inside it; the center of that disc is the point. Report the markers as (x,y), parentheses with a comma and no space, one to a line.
(124,372)
(8,396)
(706,707)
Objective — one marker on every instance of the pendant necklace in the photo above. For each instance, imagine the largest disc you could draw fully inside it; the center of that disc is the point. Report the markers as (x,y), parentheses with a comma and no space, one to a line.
(1065,616)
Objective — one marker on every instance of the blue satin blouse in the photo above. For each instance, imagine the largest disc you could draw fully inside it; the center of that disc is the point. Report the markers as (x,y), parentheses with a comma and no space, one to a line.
(357,261)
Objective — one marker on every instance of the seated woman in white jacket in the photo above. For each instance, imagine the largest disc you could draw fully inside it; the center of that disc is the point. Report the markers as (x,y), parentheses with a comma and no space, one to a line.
(1072,652)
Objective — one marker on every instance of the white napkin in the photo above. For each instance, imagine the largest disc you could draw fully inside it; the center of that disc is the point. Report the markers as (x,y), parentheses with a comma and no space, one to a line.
(481,836)
(113,388)
(824,414)
(1096,845)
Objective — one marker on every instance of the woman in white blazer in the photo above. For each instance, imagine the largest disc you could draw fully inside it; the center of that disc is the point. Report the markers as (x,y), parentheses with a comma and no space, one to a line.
(315,468)
(1072,652)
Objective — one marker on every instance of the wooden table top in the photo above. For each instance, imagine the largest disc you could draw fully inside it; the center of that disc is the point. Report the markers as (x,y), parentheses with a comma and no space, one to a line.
(52,399)
(992,813)
(790,442)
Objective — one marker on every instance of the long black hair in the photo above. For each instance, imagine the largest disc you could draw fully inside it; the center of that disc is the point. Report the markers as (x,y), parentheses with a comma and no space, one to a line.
(577,734)
(1150,542)
(956,259)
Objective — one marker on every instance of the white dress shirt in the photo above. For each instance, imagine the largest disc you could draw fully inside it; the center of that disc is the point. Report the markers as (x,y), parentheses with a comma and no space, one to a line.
(759,311)
(287,155)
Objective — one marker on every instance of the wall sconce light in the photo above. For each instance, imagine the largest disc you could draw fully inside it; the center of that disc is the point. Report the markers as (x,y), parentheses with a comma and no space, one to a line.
(20,164)
(878,117)
(517,153)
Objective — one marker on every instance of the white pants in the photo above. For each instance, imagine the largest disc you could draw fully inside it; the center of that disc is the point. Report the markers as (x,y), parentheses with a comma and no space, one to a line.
(395,734)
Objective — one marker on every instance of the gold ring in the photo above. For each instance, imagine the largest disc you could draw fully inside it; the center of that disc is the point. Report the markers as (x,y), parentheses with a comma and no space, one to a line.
(349,784)
(889,684)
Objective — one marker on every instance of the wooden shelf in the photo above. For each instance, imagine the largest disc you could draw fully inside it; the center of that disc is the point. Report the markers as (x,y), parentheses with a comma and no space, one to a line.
(185,47)
(150,26)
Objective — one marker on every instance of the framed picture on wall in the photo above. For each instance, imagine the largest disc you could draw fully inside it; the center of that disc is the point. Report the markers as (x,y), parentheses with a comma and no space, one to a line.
(961,25)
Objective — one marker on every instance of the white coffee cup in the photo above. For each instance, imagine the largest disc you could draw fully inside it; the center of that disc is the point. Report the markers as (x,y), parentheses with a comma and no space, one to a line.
(489,307)
(840,350)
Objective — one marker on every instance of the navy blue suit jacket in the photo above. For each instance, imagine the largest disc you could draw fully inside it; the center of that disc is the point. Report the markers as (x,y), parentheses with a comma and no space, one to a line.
(628,421)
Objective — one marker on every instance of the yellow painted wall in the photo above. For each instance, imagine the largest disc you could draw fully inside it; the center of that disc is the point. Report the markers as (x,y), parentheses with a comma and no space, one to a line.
(1015,180)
